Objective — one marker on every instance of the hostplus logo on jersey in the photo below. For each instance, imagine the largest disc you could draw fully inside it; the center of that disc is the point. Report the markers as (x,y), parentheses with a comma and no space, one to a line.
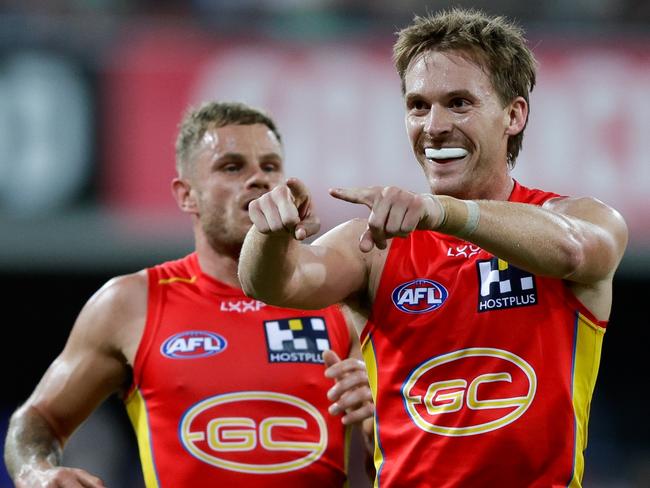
(419,296)
(296,340)
(504,286)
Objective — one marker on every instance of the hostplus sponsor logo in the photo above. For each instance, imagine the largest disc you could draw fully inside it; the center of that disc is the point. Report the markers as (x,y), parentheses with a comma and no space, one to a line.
(504,286)
(419,296)
(193,344)
(296,340)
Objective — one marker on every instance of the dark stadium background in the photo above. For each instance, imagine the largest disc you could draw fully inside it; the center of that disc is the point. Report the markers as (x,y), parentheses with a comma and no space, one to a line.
(90,94)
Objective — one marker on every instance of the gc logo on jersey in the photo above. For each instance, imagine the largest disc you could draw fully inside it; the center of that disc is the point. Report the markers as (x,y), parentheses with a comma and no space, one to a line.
(504,286)
(469,391)
(296,340)
(262,432)
(419,296)
(193,344)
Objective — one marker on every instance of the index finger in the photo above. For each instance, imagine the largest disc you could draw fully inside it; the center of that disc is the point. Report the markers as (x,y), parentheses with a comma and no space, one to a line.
(299,191)
(365,196)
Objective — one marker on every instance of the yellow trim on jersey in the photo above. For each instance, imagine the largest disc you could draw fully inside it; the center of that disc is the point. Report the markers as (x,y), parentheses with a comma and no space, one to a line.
(346,455)
(176,279)
(137,411)
(589,341)
(368,354)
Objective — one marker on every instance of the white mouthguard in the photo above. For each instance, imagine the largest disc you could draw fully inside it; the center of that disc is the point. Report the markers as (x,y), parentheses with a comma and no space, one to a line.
(445,153)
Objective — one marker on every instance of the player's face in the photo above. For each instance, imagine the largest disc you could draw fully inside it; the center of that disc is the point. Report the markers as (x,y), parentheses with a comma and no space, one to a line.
(450,103)
(233,165)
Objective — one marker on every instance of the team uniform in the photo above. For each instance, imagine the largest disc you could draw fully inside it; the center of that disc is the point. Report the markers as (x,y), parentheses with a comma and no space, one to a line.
(228,391)
(482,373)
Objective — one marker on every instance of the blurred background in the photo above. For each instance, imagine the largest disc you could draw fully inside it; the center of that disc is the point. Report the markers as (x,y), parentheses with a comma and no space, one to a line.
(91,92)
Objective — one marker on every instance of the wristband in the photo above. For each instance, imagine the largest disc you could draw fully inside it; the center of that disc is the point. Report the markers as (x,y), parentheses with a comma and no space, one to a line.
(443,212)
(473,216)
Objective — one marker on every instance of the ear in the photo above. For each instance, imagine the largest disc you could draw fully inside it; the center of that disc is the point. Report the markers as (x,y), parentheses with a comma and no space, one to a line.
(517,116)
(185,198)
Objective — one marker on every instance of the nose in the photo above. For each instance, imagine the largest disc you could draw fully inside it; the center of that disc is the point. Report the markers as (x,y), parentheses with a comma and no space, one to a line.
(438,122)
(259,179)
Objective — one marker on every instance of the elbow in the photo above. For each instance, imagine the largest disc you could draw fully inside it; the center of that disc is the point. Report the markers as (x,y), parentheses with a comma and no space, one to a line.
(572,256)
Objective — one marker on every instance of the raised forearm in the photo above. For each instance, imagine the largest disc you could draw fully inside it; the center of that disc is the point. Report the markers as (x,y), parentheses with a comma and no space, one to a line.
(31,443)
(266,266)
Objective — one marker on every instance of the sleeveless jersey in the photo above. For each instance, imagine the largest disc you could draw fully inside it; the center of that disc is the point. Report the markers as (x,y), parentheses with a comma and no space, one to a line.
(228,391)
(482,373)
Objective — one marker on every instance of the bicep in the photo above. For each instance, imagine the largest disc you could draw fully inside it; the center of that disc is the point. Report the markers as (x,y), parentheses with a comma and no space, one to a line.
(90,367)
(600,232)
(330,269)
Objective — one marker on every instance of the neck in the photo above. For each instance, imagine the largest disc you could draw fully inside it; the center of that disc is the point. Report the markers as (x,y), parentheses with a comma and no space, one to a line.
(219,264)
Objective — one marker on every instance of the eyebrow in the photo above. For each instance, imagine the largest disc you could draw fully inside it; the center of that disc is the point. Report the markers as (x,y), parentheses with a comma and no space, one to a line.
(411,96)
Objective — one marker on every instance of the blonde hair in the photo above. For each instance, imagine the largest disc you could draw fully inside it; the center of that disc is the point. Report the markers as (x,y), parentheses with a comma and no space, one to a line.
(197,121)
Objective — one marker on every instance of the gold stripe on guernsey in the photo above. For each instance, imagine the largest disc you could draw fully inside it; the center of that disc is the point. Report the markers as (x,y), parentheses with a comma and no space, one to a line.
(503,265)
(176,279)
(589,341)
(371,365)
(137,411)
(346,455)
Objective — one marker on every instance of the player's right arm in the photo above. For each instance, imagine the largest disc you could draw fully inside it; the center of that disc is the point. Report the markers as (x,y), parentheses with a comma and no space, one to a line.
(277,268)
(92,365)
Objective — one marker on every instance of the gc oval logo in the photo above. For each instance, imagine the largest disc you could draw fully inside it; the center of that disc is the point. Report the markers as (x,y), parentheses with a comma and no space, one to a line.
(234,431)
(193,344)
(419,296)
(469,392)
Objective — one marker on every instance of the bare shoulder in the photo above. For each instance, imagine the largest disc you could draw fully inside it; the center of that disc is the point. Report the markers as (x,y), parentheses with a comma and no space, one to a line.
(344,234)
(596,212)
(589,208)
(114,316)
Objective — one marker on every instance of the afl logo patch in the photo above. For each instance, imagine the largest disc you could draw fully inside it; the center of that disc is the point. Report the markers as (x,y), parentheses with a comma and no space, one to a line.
(419,296)
(193,344)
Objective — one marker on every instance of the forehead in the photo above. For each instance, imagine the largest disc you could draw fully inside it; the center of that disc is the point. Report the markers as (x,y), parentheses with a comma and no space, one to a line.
(445,70)
(244,139)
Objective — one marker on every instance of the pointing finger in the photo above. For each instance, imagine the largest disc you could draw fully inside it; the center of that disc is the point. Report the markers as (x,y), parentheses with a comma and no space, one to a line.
(365,196)
(299,191)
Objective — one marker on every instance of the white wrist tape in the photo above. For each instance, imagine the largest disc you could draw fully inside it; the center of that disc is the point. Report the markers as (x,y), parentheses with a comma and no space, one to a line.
(443,212)
(473,216)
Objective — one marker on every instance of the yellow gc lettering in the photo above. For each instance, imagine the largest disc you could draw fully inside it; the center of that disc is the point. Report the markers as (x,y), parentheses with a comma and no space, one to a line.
(454,399)
(443,398)
(266,434)
(222,436)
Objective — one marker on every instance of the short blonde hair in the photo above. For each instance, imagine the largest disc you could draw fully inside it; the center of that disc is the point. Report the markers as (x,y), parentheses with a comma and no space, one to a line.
(493,42)
(196,121)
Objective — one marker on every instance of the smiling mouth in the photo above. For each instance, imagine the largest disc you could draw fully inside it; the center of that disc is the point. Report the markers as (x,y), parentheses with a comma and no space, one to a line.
(445,154)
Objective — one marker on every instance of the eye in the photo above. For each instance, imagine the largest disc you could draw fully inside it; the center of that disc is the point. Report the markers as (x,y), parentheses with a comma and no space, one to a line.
(270,168)
(459,103)
(230,167)
(417,105)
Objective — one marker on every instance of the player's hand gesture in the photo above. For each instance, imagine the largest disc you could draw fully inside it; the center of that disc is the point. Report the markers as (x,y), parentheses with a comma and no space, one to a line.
(285,209)
(394,212)
(350,395)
